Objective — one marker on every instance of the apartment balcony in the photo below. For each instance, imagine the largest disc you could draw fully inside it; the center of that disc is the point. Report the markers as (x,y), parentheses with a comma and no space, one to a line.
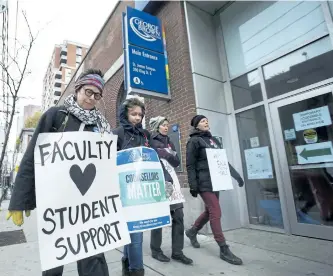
(57,84)
(57,91)
(58,75)
(63,60)
(63,51)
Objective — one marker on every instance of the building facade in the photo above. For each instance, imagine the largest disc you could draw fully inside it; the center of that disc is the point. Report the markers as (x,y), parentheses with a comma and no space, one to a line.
(28,111)
(262,73)
(66,58)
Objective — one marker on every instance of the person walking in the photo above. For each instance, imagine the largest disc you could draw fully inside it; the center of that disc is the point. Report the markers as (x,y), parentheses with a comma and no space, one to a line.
(78,113)
(200,183)
(131,134)
(165,149)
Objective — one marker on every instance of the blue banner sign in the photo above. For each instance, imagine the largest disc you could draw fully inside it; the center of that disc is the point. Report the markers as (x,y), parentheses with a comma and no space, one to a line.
(146,63)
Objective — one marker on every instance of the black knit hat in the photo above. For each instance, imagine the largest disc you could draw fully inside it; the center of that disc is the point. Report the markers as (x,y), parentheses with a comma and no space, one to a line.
(196,120)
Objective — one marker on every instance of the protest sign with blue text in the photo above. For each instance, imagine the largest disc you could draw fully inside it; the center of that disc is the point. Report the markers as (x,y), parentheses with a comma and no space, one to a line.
(142,189)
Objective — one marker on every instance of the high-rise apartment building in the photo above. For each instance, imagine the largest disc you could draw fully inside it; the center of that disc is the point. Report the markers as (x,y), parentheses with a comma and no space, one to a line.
(66,58)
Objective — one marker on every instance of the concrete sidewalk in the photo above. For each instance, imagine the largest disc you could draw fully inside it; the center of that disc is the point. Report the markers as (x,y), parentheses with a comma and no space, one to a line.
(263,253)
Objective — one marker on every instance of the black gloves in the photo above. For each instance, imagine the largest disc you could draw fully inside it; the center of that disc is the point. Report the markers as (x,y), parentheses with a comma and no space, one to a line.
(240,182)
(194,193)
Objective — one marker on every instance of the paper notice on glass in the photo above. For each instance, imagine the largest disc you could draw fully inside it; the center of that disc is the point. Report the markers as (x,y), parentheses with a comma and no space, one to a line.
(258,163)
(219,169)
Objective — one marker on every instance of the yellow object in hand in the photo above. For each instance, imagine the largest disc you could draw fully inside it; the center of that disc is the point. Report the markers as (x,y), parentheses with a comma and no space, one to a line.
(17,216)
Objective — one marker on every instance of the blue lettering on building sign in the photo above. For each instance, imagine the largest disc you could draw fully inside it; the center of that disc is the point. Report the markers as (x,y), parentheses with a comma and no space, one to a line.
(147,70)
(144,30)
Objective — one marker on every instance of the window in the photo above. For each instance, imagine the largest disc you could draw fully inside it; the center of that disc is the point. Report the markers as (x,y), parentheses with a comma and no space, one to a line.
(68,75)
(78,59)
(257,31)
(308,65)
(246,90)
(79,51)
(261,185)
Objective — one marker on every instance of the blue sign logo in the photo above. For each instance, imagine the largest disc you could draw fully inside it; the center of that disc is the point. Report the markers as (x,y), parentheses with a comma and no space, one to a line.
(146,63)
(147,70)
(144,30)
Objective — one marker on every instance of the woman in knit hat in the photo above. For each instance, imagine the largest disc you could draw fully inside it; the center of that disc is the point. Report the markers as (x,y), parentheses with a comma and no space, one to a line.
(200,183)
(161,142)
(79,113)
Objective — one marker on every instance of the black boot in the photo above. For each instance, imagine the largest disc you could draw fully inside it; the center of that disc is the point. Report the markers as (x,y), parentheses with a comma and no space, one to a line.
(182,259)
(160,257)
(192,235)
(228,256)
(140,272)
(125,267)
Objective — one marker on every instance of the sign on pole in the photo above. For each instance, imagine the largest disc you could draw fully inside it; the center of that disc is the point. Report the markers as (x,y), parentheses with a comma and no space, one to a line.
(146,61)
(219,169)
(142,189)
(79,211)
(177,195)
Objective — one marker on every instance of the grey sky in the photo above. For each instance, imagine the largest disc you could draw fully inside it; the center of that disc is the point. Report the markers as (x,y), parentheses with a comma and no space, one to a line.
(56,20)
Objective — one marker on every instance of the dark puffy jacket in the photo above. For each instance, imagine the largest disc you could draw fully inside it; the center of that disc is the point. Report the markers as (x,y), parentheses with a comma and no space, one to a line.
(130,136)
(53,120)
(158,142)
(197,163)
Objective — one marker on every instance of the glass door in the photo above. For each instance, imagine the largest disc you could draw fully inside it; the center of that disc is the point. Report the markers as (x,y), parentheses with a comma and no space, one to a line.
(303,134)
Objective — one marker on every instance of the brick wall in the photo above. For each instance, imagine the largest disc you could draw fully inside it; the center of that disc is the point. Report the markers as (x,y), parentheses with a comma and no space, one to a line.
(182,106)
(108,48)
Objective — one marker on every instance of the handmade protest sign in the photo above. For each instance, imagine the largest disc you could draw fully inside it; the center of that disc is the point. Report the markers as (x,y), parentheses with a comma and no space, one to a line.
(177,195)
(142,189)
(79,213)
(219,169)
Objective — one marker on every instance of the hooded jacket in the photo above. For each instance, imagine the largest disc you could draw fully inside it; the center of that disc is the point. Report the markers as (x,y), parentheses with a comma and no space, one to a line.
(197,163)
(160,142)
(53,120)
(130,136)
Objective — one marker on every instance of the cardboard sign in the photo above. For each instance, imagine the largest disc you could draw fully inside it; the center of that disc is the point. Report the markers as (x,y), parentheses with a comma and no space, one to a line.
(177,196)
(79,212)
(142,189)
(219,169)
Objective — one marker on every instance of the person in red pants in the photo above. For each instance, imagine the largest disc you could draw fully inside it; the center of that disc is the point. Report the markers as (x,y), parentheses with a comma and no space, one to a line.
(200,183)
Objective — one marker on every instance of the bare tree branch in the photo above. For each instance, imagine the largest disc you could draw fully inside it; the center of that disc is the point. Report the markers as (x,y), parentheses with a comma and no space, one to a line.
(14,84)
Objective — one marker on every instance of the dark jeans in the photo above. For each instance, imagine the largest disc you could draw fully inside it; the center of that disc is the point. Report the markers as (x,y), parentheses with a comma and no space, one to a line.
(133,252)
(212,214)
(177,234)
(92,266)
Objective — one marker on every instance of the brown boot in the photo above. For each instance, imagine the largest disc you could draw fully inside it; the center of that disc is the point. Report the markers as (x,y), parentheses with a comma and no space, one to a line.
(192,235)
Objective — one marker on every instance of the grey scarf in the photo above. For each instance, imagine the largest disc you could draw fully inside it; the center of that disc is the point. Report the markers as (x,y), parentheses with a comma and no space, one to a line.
(88,117)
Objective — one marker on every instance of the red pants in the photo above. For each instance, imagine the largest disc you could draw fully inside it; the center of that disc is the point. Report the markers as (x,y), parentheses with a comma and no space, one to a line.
(212,214)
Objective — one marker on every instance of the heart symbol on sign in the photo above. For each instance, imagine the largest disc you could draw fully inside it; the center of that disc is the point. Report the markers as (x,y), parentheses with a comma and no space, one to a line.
(83,180)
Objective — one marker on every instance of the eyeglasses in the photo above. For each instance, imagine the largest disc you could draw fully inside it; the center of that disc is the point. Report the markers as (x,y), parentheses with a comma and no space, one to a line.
(89,93)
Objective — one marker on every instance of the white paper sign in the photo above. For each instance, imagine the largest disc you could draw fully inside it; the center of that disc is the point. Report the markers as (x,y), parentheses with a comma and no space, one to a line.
(315,153)
(254,142)
(258,163)
(312,118)
(142,189)
(177,196)
(79,213)
(289,134)
(219,169)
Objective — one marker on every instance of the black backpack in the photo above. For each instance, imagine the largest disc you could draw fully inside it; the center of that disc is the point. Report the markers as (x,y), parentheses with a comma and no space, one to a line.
(121,136)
